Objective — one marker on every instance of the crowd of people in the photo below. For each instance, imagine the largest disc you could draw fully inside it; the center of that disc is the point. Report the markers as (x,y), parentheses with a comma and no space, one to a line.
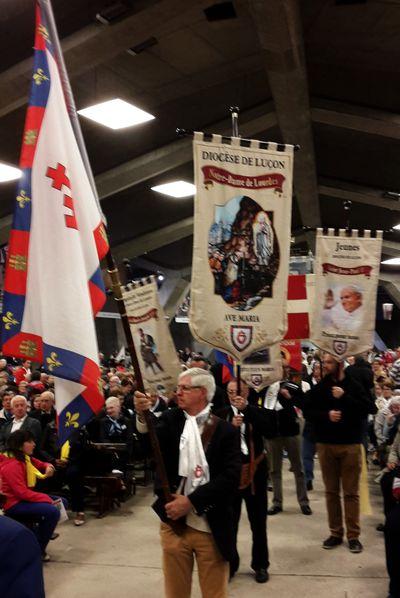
(223,444)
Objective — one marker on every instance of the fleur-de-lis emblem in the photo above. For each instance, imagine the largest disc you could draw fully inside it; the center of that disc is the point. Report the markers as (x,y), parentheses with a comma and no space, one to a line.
(39,77)
(43,31)
(72,420)
(52,361)
(28,348)
(30,136)
(18,262)
(9,320)
(22,199)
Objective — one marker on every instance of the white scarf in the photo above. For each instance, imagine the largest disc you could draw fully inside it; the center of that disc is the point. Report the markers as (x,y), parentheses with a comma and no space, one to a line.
(243,444)
(192,460)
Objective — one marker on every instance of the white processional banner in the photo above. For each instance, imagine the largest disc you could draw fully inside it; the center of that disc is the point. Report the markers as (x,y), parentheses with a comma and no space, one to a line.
(262,368)
(241,246)
(346,269)
(154,346)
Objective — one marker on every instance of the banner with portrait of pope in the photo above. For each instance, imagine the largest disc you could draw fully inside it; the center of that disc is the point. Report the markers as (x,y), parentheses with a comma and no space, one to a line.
(241,245)
(347,271)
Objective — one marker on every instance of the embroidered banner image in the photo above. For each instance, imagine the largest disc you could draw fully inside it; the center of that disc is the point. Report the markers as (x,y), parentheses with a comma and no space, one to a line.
(241,243)
(347,270)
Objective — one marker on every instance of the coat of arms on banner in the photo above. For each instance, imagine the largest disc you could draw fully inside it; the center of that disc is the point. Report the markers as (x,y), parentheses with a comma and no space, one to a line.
(243,252)
(339,347)
(241,336)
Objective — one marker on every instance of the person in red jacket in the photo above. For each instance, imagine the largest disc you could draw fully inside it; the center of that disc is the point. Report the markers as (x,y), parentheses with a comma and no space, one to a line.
(17,478)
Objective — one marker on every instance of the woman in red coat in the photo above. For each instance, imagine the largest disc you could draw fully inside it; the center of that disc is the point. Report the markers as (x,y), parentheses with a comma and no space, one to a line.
(18,475)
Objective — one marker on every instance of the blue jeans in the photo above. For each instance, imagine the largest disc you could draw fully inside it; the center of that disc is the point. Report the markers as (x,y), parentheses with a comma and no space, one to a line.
(46,517)
(308,452)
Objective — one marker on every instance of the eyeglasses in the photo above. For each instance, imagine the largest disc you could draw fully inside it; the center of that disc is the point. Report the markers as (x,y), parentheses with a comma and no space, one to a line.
(185,387)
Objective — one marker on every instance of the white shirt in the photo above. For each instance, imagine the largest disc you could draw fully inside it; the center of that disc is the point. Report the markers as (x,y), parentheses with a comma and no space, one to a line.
(17,423)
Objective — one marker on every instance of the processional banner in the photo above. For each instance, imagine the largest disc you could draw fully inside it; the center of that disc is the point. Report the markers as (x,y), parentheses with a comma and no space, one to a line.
(262,368)
(346,269)
(242,221)
(53,284)
(154,346)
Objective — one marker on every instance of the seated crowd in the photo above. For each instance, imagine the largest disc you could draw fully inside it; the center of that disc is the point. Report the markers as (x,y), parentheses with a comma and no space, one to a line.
(109,443)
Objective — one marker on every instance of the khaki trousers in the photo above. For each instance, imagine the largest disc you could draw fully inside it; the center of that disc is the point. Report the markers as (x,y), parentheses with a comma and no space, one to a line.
(178,560)
(341,464)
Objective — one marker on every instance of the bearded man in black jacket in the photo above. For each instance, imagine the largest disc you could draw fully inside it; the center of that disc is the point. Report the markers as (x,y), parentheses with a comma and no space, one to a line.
(203,480)
(337,406)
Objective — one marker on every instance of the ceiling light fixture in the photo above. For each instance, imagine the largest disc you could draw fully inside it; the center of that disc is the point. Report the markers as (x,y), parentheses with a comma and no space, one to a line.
(116,114)
(176,189)
(393,261)
(9,173)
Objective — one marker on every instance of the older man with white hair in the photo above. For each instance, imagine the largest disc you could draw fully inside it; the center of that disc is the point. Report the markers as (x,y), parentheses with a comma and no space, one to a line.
(203,463)
(20,421)
(347,314)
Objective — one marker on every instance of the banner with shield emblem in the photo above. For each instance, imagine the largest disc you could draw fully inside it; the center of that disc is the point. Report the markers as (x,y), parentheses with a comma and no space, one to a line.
(346,270)
(262,368)
(241,243)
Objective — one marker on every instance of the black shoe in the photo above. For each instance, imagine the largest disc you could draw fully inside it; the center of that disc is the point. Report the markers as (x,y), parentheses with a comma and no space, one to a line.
(355,546)
(274,510)
(306,510)
(331,542)
(310,485)
(380,527)
(261,575)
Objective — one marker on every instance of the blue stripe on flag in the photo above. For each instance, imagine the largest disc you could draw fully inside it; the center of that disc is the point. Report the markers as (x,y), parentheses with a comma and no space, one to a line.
(74,415)
(13,313)
(40,87)
(97,279)
(23,209)
(63,363)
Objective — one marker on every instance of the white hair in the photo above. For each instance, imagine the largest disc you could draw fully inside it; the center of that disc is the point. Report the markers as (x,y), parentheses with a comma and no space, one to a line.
(112,401)
(200,377)
(18,398)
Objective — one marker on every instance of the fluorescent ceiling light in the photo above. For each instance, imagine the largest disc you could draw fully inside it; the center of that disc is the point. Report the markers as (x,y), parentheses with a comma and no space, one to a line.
(9,173)
(393,261)
(116,114)
(176,189)
(397,227)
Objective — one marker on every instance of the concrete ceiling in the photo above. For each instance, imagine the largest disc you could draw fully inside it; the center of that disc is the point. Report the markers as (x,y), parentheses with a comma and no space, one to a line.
(312,72)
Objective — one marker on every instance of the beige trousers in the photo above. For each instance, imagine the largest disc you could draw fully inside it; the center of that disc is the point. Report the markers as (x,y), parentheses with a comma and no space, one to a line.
(178,560)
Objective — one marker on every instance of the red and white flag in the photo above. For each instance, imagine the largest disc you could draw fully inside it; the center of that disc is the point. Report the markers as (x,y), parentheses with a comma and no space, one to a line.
(300,298)
(53,283)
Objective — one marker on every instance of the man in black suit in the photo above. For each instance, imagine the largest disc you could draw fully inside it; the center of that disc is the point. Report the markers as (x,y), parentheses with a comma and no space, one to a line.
(203,480)
(254,423)
(20,421)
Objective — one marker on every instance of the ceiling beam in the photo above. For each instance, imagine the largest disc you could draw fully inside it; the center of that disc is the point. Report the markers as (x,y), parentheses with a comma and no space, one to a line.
(357,193)
(154,240)
(98,44)
(279,29)
(356,118)
(177,153)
